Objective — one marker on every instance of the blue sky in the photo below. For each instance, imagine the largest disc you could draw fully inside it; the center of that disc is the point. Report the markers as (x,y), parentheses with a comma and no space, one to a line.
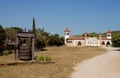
(56,15)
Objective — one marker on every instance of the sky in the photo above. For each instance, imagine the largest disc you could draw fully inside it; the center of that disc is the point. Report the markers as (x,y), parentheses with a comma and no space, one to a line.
(56,15)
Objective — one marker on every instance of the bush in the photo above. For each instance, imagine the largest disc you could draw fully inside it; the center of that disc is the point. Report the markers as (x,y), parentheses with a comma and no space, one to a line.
(116,41)
(43,58)
(6,52)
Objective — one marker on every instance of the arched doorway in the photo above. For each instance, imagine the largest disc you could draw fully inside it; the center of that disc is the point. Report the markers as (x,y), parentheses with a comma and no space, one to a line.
(79,43)
(103,43)
(108,43)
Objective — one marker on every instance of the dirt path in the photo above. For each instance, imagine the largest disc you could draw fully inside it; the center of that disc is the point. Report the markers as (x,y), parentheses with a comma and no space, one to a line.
(103,66)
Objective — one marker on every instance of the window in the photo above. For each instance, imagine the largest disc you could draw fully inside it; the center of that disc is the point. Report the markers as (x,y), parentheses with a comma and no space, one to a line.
(67,33)
(69,41)
(108,35)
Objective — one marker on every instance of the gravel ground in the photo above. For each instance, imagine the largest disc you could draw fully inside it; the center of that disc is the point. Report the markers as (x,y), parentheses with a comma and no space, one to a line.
(104,66)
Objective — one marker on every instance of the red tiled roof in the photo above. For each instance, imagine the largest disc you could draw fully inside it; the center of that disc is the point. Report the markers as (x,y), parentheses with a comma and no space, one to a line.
(67,30)
(108,31)
(76,38)
(105,39)
(85,33)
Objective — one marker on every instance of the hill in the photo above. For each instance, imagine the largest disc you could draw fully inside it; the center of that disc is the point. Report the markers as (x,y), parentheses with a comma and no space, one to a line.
(114,33)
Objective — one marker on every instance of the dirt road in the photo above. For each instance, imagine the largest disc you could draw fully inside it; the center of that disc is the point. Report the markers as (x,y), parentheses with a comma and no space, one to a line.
(103,66)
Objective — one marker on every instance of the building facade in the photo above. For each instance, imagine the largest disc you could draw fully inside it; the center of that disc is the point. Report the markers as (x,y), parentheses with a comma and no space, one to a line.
(85,40)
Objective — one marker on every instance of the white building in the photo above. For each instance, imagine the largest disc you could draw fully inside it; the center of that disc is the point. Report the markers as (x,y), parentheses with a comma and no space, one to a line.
(87,41)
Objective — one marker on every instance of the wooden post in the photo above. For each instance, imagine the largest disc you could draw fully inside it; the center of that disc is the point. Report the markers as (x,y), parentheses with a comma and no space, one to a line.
(33,48)
(16,49)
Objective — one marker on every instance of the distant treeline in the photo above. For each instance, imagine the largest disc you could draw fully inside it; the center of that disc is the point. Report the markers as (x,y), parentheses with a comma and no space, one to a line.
(42,37)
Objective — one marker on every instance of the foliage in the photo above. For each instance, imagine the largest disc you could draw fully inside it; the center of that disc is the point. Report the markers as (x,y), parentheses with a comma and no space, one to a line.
(11,32)
(56,40)
(17,29)
(43,58)
(6,52)
(2,39)
(93,34)
(2,36)
(115,33)
(41,39)
(44,39)
(11,35)
(116,41)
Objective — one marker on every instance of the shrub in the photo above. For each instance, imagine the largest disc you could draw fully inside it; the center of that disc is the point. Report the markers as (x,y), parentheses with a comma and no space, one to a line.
(6,52)
(43,58)
(116,41)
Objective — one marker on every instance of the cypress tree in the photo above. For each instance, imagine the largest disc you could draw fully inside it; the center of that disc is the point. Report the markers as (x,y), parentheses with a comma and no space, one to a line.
(33,26)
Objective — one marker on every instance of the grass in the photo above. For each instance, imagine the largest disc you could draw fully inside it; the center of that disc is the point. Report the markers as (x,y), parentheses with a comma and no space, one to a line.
(65,59)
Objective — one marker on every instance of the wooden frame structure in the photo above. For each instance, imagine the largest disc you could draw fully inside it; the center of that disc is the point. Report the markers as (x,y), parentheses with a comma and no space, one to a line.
(17,48)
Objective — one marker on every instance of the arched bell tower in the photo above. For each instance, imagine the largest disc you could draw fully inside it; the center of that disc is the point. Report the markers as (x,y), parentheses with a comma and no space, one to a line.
(67,34)
(109,35)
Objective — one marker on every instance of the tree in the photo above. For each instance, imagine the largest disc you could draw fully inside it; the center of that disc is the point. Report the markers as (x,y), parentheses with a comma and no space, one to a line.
(56,40)
(42,38)
(17,29)
(93,34)
(11,33)
(2,39)
(40,41)
(33,26)
(53,39)
(116,41)
(62,40)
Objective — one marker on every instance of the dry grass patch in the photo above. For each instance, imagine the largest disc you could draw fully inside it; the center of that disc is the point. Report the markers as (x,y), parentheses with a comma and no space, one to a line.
(65,59)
